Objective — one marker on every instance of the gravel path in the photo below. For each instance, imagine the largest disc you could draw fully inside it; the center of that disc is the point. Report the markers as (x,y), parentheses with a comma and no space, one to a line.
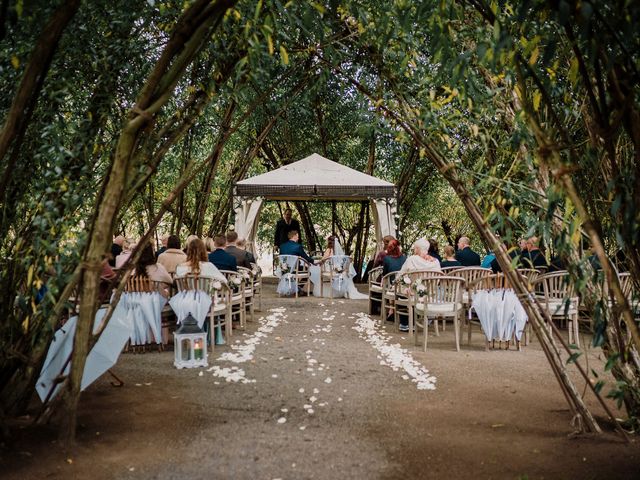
(314,389)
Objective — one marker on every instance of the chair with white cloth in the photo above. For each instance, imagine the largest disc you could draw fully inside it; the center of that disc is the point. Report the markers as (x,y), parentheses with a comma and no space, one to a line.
(257,284)
(293,272)
(143,297)
(203,297)
(335,271)
(249,297)
(237,287)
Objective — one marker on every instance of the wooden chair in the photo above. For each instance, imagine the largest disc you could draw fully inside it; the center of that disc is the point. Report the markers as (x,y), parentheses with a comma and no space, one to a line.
(388,294)
(248,289)
(404,289)
(442,299)
(332,269)
(375,289)
(142,284)
(449,270)
(559,300)
(257,284)
(220,311)
(237,286)
(299,272)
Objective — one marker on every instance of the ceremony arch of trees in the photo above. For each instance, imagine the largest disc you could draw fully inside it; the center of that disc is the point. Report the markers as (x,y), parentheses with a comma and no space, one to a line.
(507,118)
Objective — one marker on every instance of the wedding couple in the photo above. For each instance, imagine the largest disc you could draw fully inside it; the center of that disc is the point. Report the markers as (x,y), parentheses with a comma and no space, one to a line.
(334,257)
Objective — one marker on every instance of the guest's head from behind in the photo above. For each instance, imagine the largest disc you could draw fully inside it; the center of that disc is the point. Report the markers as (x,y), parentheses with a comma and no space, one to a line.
(532,243)
(463,243)
(190,239)
(386,239)
(393,248)
(449,252)
(522,244)
(209,245)
(165,240)
(173,241)
(293,235)
(119,240)
(241,243)
(196,253)
(232,237)
(433,246)
(146,258)
(129,244)
(219,241)
(421,247)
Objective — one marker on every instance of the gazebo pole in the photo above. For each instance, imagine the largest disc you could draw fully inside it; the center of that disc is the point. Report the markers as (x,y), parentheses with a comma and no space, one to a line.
(333,218)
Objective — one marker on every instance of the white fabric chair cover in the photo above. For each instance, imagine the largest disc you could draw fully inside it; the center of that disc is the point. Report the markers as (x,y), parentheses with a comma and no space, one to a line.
(287,285)
(195,302)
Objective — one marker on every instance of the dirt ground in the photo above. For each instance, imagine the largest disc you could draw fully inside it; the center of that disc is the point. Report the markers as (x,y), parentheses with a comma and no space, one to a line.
(326,404)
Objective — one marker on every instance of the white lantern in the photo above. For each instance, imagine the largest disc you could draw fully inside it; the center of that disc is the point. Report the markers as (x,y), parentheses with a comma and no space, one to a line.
(190,345)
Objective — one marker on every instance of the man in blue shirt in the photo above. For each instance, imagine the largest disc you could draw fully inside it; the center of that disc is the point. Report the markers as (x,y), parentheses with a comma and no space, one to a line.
(221,259)
(292,247)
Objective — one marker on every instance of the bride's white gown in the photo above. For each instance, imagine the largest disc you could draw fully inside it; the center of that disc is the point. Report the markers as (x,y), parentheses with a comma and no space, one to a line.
(344,287)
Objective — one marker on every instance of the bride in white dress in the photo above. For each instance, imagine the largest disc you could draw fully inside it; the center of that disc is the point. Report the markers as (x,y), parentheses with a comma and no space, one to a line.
(343,286)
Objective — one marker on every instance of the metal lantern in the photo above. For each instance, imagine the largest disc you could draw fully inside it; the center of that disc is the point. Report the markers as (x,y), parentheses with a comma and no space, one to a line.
(190,345)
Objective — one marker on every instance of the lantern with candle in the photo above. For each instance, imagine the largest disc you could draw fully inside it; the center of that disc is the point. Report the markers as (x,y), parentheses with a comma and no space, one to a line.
(190,345)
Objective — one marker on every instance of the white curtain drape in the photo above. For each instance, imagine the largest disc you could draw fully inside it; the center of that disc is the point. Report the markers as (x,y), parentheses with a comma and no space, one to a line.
(383,213)
(247,215)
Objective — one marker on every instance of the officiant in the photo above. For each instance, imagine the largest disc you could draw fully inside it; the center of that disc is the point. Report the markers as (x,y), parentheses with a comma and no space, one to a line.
(285,225)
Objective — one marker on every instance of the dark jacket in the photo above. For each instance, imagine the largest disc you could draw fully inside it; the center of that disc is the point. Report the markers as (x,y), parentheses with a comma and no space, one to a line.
(450,263)
(115,251)
(533,259)
(292,248)
(282,231)
(241,256)
(223,261)
(468,258)
(392,264)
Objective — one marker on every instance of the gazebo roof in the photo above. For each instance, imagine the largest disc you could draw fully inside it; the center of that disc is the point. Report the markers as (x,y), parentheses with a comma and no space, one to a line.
(315,178)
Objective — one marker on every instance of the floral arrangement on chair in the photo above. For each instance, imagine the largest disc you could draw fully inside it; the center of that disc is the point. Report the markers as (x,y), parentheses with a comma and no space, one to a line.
(419,289)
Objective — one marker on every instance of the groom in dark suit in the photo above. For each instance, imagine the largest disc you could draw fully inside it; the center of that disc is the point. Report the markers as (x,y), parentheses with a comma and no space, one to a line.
(292,247)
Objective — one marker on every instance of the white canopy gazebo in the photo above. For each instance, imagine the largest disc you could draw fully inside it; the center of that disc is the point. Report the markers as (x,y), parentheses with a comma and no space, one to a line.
(313,178)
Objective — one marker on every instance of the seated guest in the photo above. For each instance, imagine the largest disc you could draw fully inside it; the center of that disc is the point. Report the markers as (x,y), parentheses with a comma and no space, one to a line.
(146,266)
(466,256)
(533,257)
(232,249)
(209,245)
(128,247)
(163,240)
(221,259)
(380,256)
(420,260)
(198,263)
(394,259)
(292,247)
(556,264)
(116,249)
(173,255)
(514,253)
(488,258)
(450,258)
(189,239)
(241,243)
(433,249)
(329,251)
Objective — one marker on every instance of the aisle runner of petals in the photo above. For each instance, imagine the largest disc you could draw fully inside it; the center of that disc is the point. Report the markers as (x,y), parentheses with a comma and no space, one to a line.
(393,355)
(244,352)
